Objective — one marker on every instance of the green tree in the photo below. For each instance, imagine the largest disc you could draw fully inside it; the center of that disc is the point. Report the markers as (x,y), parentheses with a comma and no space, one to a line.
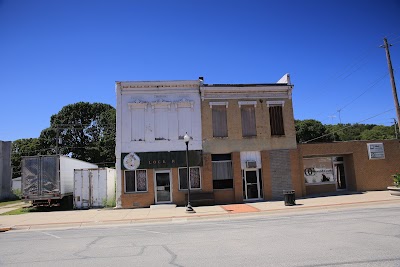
(378,132)
(86,132)
(307,130)
(348,132)
(23,147)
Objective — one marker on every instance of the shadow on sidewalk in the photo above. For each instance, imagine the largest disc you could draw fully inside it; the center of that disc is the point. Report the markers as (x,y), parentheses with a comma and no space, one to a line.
(332,194)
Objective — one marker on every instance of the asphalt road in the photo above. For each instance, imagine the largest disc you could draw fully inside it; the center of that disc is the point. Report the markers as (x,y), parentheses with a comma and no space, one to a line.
(362,236)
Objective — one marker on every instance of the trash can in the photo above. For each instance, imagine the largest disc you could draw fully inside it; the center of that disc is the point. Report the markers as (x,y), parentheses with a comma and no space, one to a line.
(290,198)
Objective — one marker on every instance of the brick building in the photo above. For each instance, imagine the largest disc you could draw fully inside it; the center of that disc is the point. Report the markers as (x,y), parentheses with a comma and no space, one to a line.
(352,166)
(242,147)
(249,140)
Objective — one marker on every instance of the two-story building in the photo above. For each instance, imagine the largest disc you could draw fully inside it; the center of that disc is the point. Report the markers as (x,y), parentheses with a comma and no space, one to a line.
(249,141)
(242,147)
(152,119)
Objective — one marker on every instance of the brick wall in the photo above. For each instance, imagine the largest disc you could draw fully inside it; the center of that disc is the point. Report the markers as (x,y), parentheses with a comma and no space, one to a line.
(235,141)
(361,173)
(280,169)
(137,200)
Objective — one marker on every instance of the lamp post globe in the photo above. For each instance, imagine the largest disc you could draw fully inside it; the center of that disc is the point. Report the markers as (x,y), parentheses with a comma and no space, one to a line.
(186,138)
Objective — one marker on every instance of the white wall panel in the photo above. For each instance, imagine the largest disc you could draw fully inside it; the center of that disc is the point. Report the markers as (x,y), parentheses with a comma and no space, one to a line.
(161,124)
(184,121)
(137,124)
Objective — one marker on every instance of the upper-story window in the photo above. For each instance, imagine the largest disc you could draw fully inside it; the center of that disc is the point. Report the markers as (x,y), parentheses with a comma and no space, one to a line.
(161,112)
(248,113)
(185,112)
(137,120)
(276,117)
(219,119)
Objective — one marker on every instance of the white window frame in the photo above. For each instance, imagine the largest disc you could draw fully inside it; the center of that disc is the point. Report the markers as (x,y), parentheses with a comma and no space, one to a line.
(136,191)
(179,178)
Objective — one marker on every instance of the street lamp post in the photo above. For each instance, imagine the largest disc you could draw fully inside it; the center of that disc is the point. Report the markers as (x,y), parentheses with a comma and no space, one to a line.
(186,138)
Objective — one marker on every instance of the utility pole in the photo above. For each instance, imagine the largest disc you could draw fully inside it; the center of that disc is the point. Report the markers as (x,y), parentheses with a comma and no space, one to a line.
(340,118)
(395,129)
(396,100)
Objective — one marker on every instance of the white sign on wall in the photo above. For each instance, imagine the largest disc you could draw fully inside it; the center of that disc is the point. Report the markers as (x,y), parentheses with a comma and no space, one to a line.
(376,151)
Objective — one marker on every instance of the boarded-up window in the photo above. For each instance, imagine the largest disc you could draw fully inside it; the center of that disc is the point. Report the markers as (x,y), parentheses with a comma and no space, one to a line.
(161,123)
(137,130)
(276,120)
(248,120)
(184,121)
(220,128)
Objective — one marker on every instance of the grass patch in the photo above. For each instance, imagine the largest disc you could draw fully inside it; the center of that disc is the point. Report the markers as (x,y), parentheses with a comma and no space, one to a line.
(10,202)
(19,211)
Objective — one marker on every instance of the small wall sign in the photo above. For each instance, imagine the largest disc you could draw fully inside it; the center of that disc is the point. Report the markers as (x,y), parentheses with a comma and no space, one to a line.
(376,151)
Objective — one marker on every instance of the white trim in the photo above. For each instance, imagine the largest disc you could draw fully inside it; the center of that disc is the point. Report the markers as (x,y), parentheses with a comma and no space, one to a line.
(137,105)
(218,104)
(135,191)
(246,197)
(179,178)
(242,103)
(155,186)
(184,103)
(160,104)
(275,103)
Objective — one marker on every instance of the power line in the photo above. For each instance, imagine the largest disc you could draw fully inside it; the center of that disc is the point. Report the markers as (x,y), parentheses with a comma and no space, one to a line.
(346,127)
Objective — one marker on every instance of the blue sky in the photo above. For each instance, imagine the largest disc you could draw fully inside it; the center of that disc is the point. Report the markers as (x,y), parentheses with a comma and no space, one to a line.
(55,53)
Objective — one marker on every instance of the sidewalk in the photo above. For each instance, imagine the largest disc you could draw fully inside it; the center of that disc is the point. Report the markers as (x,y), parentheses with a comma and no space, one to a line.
(79,218)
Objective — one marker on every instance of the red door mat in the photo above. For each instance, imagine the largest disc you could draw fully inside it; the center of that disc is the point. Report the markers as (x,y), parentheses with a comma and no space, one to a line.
(239,208)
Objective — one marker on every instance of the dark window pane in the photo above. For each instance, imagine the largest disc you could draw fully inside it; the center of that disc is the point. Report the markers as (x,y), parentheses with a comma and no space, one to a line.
(223,184)
(248,121)
(276,120)
(182,178)
(219,123)
(219,157)
(129,181)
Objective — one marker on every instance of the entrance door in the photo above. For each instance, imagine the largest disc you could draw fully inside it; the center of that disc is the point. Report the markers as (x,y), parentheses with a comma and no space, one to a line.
(163,186)
(251,185)
(340,176)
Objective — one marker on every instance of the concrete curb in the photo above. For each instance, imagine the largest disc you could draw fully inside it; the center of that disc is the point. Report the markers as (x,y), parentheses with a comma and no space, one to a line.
(192,217)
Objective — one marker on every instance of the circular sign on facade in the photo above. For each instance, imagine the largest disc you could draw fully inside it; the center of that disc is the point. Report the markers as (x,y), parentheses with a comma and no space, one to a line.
(131,161)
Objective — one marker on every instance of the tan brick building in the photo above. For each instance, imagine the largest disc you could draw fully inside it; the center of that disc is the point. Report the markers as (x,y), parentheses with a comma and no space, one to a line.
(352,166)
(249,141)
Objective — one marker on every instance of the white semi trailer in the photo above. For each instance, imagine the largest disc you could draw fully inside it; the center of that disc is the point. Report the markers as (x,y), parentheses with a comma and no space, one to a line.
(94,188)
(49,180)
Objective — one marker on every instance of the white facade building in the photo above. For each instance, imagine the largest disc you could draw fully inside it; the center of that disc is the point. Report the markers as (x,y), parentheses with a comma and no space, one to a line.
(154,117)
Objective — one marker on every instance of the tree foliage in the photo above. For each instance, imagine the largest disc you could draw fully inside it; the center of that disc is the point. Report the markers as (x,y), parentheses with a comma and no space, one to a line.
(307,130)
(86,132)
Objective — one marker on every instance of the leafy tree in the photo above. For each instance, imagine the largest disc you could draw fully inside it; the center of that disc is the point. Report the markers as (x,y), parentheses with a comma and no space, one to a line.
(307,130)
(378,132)
(23,147)
(86,132)
(348,132)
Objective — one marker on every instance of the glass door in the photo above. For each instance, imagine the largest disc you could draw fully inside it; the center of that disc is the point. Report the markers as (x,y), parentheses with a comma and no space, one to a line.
(251,185)
(340,176)
(163,186)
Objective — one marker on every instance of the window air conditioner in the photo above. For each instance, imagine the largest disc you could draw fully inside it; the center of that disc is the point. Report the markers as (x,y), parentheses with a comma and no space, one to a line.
(251,164)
